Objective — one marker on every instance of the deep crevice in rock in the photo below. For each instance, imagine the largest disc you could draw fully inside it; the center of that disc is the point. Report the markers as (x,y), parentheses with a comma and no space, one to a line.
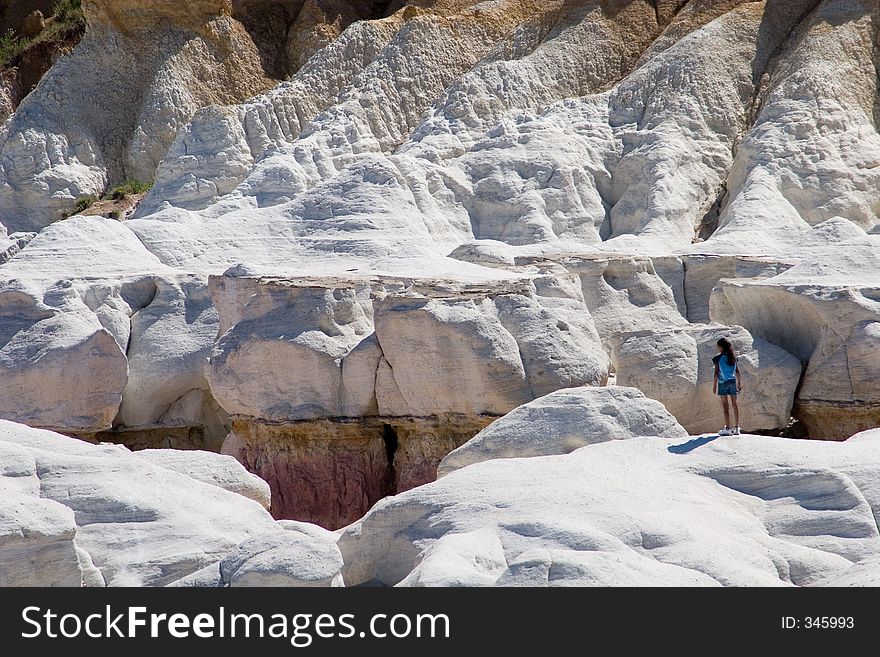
(331,471)
(389,437)
(709,224)
(762,75)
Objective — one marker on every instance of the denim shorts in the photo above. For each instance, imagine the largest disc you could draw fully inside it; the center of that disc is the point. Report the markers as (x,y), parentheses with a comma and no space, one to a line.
(727,388)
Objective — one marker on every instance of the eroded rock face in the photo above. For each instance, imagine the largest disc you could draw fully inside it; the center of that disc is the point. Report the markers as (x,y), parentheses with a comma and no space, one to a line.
(486,356)
(110,109)
(704,272)
(405,62)
(180,308)
(598,82)
(76,514)
(450,210)
(675,368)
(779,181)
(298,338)
(626,294)
(60,367)
(829,321)
(741,511)
(100,335)
(375,379)
(331,472)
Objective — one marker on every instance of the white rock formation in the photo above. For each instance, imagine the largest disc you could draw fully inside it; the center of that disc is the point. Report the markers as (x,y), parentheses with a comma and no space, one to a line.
(376,377)
(447,212)
(172,334)
(285,329)
(561,125)
(60,367)
(626,294)
(564,421)
(73,513)
(811,153)
(675,368)
(218,148)
(486,355)
(135,337)
(109,110)
(290,558)
(362,347)
(741,511)
(221,471)
(705,271)
(830,319)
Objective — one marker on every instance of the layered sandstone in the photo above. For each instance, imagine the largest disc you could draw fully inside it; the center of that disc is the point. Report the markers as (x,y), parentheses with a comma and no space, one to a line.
(376,379)
(449,210)
(73,514)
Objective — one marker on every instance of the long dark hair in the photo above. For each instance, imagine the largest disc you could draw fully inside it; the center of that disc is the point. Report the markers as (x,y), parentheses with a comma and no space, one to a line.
(727,350)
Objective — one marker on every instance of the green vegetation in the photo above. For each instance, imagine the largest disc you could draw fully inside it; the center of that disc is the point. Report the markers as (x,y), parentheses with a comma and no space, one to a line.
(11,46)
(67,12)
(67,16)
(83,203)
(128,188)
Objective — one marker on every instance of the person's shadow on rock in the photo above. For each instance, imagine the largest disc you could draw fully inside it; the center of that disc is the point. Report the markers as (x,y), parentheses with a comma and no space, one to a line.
(691,445)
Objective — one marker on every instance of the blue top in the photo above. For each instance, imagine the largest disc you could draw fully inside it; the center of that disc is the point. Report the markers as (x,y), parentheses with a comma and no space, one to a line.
(726,371)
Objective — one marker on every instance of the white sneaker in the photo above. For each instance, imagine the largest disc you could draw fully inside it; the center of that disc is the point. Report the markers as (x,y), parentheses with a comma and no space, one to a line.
(725,432)
(736,431)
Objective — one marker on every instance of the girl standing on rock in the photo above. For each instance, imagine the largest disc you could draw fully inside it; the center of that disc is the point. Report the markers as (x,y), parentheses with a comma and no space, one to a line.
(727,383)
